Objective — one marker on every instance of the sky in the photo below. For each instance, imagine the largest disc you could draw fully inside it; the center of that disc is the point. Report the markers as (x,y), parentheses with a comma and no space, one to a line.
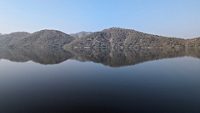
(175,18)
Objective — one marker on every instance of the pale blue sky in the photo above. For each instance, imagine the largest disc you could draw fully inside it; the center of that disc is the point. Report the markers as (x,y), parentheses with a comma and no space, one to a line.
(178,18)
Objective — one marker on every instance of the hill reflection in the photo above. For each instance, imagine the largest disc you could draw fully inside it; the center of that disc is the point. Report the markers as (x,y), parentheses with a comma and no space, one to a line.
(110,57)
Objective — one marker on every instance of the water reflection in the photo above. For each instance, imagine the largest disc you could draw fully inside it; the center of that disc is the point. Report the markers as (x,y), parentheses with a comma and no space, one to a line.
(74,87)
(38,55)
(110,57)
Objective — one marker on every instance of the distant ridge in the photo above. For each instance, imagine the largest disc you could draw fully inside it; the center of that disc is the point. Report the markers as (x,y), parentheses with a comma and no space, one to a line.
(125,38)
(43,38)
(46,38)
(12,38)
(108,38)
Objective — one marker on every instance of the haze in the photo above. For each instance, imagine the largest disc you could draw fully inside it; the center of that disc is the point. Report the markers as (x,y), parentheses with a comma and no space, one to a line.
(176,18)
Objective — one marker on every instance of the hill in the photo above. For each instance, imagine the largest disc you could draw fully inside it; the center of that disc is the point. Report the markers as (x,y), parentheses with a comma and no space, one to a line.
(125,38)
(45,39)
(10,39)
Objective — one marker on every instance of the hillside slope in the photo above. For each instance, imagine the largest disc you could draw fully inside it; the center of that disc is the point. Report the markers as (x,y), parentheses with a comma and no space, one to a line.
(125,38)
(45,39)
(10,39)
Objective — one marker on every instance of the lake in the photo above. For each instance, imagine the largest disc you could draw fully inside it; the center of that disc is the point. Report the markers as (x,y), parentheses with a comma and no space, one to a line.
(83,81)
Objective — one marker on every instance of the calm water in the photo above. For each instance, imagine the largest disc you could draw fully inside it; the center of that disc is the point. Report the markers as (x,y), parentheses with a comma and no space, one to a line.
(119,82)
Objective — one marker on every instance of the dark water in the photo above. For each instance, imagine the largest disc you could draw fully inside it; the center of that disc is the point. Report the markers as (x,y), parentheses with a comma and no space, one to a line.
(84,81)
